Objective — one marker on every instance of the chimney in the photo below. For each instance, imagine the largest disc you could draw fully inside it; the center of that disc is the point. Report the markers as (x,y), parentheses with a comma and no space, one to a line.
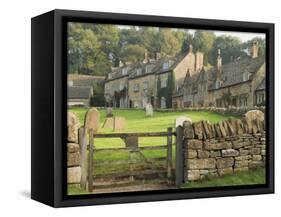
(254,49)
(219,65)
(121,63)
(157,56)
(199,58)
(145,60)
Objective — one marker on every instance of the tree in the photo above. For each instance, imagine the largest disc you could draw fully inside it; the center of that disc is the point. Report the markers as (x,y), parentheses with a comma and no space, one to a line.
(132,53)
(261,43)
(230,46)
(203,41)
(170,90)
(169,43)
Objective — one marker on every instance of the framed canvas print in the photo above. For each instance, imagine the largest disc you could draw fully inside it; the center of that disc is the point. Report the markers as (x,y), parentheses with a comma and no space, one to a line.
(134,108)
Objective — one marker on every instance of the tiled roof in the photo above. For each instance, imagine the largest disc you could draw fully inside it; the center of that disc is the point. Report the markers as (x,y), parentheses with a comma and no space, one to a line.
(232,73)
(79,92)
(139,69)
(261,85)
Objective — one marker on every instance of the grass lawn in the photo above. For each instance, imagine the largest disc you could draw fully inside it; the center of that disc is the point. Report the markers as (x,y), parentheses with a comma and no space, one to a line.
(251,177)
(242,178)
(136,121)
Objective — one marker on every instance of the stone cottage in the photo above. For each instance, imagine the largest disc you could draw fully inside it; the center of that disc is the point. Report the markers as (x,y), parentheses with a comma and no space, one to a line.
(80,89)
(136,85)
(240,83)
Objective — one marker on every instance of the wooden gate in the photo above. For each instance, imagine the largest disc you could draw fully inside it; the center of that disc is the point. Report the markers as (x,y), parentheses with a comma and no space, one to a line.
(143,170)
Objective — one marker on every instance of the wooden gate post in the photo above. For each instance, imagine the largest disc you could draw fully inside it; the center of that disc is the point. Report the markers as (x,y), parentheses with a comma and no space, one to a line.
(179,156)
(83,151)
(169,155)
(90,161)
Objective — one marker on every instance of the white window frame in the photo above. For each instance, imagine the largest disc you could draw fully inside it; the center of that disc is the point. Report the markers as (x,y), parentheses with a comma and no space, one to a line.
(163,82)
(124,71)
(165,65)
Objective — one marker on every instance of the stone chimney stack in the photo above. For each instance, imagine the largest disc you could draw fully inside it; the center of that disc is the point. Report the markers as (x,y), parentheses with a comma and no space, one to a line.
(199,61)
(219,65)
(254,49)
(157,56)
(121,63)
(145,60)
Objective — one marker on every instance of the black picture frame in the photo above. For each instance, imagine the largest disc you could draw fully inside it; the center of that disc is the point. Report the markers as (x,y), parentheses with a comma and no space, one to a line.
(49,108)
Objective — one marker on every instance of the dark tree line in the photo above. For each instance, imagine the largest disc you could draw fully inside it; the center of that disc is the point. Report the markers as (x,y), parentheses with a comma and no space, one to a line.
(95,48)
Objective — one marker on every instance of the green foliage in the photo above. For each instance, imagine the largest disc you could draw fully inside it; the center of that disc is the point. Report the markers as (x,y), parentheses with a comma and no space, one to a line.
(230,46)
(170,89)
(94,48)
(261,43)
(132,53)
(250,177)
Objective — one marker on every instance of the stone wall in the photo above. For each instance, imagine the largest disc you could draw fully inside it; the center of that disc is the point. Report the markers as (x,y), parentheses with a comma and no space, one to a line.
(73,150)
(230,111)
(224,148)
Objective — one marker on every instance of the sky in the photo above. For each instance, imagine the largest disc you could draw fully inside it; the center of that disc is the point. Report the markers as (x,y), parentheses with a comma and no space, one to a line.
(244,36)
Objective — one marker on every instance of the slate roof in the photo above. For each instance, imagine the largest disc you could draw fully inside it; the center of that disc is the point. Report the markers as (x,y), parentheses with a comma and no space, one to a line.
(232,73)
(261,86)
(79,92)
(156,67)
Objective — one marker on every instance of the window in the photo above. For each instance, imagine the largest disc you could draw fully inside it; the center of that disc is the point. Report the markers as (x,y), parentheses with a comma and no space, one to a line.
(138,71)
(148,69)
(124,71)
(163,82)
(121,86)
(136,87)
(245,76)
(165,65)
(145,85)
(218,84)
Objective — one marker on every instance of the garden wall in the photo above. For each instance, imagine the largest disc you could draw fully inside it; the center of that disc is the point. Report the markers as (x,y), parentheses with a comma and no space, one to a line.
(73,150)
(230,110)
(223,148)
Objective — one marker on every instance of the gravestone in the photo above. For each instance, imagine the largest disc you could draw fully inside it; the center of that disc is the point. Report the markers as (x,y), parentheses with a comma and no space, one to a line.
(73,125)
(179,120)
(92,119)
(108,123)
(119,123)
(255,114)
(109,112)
(149,110)
(163,102)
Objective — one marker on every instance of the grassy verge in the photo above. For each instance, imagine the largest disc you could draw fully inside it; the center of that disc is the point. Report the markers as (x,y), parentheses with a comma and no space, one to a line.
(251,177)
(242,178)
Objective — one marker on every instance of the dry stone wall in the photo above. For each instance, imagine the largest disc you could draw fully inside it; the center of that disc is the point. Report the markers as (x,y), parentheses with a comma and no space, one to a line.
(73,150)
(230,110)
(223,148)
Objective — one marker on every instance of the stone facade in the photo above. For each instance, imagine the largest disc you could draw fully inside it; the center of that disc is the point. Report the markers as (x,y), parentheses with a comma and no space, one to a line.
(139,85)
(73,150)
(223,148)
(240,83)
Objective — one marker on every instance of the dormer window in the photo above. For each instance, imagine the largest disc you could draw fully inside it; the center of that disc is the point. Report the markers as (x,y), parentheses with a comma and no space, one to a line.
(138,71)
(218,84)
(163,82)
(245,76)
(124,71)
(148,69)
(136,87)
(165,65)
(121,86)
